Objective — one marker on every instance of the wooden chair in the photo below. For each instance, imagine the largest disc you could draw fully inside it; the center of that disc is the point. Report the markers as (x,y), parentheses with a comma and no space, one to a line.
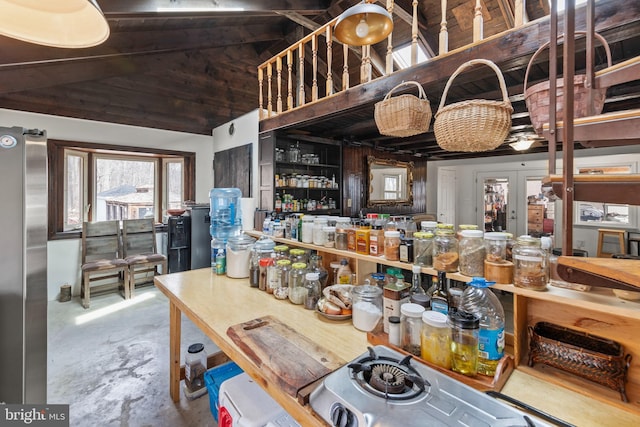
(102,259)
(140,249)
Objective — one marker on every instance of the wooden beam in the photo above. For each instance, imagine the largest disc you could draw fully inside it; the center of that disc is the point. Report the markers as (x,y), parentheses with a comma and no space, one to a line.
(114,8)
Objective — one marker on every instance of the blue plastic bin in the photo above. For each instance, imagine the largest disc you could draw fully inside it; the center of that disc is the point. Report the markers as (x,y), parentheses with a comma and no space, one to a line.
(216,376)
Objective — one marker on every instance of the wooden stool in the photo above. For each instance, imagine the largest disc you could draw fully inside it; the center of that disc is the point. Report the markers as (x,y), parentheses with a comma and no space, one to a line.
(633,241)
(602,232)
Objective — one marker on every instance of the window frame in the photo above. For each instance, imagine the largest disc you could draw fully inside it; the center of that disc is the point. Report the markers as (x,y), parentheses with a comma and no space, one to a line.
(57,168)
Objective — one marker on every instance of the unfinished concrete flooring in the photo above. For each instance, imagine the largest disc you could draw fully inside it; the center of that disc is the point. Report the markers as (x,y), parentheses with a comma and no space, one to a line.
(110,363)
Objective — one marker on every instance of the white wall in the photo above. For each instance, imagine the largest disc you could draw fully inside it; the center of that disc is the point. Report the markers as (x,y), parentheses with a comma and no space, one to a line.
(584,237)
(64,255)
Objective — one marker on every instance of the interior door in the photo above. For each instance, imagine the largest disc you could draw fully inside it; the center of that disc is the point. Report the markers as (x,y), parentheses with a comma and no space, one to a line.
(447,196)
(498,201)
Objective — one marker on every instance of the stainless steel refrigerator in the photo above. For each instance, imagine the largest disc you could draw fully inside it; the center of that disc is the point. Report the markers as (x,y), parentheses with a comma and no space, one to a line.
(23,266)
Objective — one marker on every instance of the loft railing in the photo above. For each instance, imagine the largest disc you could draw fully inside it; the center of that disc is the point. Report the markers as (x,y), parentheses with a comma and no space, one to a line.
(284,82)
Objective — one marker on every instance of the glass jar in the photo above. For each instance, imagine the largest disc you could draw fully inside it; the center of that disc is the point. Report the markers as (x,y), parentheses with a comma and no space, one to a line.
(273,275)
(281,251)
(376,239)
(411,327)
(423,248)
(445,251)
(392,245)
(298,255)
(307,229)
(297,292)
(367,307)
(429,226)
(312,290)
(496,246)
(264,264)
(293,155)
(239,249)
(406,250)
(318,235)
(465,328)
(284,265)
(352,243)
(342,225)
(394,330)
(530,269)
(435,343)
(315,266)
(472,253)
(195,366)
(464,227)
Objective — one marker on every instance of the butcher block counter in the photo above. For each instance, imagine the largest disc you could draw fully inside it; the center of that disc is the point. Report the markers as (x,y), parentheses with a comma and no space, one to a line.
(216,303)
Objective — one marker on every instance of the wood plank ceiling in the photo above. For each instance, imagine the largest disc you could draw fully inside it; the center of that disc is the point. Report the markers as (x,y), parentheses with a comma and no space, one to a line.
(191,71)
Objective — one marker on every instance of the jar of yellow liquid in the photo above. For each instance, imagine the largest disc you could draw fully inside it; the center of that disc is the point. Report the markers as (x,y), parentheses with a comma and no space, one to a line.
(435,340)
(465,328)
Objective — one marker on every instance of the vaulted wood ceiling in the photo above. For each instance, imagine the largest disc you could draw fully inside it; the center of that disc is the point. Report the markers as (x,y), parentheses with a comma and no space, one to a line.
(193,71)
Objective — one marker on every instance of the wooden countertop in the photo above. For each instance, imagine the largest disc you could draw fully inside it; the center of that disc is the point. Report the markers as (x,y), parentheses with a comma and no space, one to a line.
(215,302)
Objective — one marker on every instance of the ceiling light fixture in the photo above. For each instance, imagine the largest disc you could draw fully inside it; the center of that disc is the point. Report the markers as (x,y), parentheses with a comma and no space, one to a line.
(60,23)
(523,141)
(363,24)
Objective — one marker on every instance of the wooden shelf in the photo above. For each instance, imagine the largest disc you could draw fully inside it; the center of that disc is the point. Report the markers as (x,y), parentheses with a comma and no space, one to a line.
(601,188)
(620,127)
(619,73)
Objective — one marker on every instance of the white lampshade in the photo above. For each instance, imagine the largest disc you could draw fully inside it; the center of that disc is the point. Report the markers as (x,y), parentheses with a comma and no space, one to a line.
(55,23)
(363,24)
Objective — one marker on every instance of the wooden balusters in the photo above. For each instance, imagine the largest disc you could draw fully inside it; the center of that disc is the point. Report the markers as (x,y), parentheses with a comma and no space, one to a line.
(520,14)
(365,67)
(301,95)
(443,40)
(345,67)
(478,22)
(314,64)
(389,58)
(329,84)
(279,84)
(414,34)
(269,92)
(260,100)
(289,79)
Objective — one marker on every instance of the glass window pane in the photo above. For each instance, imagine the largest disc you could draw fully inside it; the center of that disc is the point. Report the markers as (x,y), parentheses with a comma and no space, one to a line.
(175,193)
(73,192)
(125,189)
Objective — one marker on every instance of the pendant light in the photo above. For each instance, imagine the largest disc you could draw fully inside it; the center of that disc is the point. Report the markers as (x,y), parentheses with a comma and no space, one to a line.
(363,24)
(522,141)
(55,23)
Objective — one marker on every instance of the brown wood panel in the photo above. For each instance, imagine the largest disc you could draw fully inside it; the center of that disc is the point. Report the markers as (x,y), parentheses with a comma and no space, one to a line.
(232,168)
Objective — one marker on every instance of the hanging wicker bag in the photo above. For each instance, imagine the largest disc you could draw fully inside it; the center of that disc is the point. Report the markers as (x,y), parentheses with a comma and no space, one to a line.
(474,125)
(537,96)
(403,115)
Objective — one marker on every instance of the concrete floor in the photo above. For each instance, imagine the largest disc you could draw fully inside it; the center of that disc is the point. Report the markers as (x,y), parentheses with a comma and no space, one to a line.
(110,363)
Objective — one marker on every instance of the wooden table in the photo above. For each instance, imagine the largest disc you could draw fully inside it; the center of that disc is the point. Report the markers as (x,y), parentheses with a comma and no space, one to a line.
(214,303)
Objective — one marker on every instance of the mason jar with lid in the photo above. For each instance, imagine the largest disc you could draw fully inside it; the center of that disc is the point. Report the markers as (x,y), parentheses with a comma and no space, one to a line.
(298,255)
(342,225)
(313,290)
(282,252)
(297,292)
(530,264)
(445,251)
(411,327)
(465,329)
(472,253)
(435,343)
(239,249)
(463,227)
(329,236)
(429,226)
(496,246)
(307,229)
(366,307)
(392,245)
(318,235)
(423,248)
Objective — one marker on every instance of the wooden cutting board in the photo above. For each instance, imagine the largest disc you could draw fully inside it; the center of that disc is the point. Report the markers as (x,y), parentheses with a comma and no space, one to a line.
(283,355)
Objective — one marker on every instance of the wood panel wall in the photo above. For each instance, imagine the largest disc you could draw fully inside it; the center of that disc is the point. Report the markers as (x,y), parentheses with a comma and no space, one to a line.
(354,182)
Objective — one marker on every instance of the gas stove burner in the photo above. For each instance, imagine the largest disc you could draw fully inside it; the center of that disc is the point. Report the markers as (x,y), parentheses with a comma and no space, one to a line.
(388,377)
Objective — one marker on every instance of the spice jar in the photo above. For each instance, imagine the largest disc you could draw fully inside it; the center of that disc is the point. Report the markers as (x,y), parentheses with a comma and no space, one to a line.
(273,275)
(264,265)
(411,327)
(297,292)
(367,307)
(530,269)
(465,328)
(406,250)
(195,366)
(435,346)
(472,253)
(362,240)
(423,248)
(376,239)
(445,250)
(312,290)
(352,244)
(394,330)
(392,245)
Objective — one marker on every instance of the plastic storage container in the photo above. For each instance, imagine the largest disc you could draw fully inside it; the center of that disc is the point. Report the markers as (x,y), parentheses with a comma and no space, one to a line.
(435,343)
(464,342)
(367,307)
(226,216)
(214,378)
(478,299)
(195,365)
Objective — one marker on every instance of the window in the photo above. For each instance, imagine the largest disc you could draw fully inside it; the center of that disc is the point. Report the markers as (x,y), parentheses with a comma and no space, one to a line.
(609,214)
(105,182)
(392,187)
(402,56)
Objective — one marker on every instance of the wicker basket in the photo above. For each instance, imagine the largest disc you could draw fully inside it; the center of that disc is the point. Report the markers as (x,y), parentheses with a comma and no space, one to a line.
(475,125)
(404,115)
(597,359)
(537,96)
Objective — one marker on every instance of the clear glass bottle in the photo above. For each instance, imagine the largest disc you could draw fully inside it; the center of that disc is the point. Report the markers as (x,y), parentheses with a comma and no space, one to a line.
(445,251)
(406,250)
(297,292)
(315,266)
(411,327)
(530,264)
(435,343)
(195,366)
(464,342)
(440,295)
(313,291)
(472,253)
(366,307)
(416,280)
(392,245)
(478,299)
(423,248)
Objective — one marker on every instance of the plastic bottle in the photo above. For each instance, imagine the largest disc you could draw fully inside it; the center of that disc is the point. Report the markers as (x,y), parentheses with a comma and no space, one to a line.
(226,218)
(478,299)
(344,273)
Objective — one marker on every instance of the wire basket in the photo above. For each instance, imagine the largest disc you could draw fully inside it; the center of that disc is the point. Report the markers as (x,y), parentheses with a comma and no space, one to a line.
(597,359)
(403,115)
(474,125)
(537,96)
